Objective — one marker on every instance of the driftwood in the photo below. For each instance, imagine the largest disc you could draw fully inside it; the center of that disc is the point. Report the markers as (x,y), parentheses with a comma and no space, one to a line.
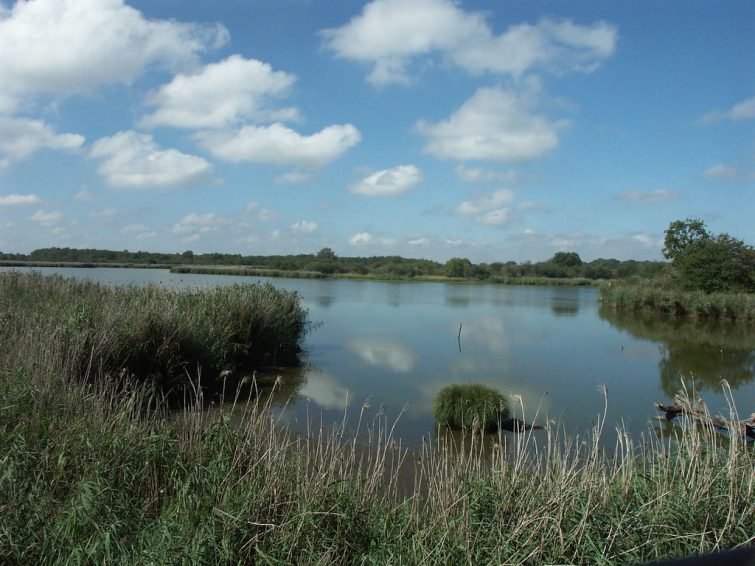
(699,414)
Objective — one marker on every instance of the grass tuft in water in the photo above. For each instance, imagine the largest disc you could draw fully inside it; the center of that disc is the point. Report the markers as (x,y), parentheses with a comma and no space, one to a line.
(470,406)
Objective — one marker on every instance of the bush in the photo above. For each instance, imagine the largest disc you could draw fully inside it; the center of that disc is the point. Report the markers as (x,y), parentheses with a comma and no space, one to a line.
(458,405)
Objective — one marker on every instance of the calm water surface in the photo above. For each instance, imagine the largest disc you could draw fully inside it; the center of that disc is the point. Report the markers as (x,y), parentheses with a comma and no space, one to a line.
(395,345)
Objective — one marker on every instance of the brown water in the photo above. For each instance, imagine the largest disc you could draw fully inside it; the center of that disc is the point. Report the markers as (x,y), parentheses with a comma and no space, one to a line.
(393,346)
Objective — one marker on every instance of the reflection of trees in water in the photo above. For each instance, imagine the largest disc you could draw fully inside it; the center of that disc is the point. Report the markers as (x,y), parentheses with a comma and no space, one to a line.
(324,300)
(709,351)
(564,308)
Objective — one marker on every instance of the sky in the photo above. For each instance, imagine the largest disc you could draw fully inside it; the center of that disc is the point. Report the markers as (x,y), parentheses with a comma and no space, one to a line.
(497,131)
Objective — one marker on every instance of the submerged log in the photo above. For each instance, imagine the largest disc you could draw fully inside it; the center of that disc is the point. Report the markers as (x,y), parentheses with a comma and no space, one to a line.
(699,414)
(516,425)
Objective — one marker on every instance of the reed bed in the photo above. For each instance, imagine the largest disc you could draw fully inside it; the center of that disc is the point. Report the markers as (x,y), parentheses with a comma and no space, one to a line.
(623,296)
(154,334)
(92,472)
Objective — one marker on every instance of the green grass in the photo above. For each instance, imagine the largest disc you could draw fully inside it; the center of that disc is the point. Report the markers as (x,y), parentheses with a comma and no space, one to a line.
(736,306)
(91,472)
(470,406)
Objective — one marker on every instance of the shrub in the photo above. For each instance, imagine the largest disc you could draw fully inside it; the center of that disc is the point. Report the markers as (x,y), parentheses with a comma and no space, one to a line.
(458,405)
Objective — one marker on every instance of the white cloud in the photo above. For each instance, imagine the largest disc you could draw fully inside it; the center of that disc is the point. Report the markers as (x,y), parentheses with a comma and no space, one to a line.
(744,110)
(392,34)
(304,227)
(19,200)
(293,177)
(279,145)
(495,124)
(367,239)
(485,203)
(643,239)
(72,46)
(419,242)
(648,197)
(722,171)
(478,175)
(389,182)
(140,231)
(361,238)
(47,218)
(83,196)
(221,94)
(133,160)
(193,225)
(494,217)
(266,215)
(20,137)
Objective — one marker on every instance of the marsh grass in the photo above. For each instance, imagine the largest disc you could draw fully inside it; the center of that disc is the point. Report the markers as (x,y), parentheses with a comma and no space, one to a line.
(92,472)
(470,406)
(155,334)
(623,296)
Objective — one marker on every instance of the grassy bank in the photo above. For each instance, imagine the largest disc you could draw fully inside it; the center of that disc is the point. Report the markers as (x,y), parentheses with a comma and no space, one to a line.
(623,296)
(92,473)
(86,264)
(303,274)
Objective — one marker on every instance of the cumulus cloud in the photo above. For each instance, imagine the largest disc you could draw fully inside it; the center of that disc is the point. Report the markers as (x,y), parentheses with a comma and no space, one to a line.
(304,227)
(367,239)
(19,200)
(389,182)
(279,145)
(648,197)
(194,225)
(491,208)
(62,47)
(495,124)
(220,95)
(478,175)
(392,34)
(20,137)
(47,218)
(744,110)
(134,161)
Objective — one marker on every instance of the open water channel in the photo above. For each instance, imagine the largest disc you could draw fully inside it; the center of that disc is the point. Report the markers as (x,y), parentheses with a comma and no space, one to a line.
(395,345)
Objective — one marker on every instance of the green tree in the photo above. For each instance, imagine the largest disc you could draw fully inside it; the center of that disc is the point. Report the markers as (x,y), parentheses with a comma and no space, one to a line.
(567,259)
(326,254)
(681,234)
(709,262)
(458,267)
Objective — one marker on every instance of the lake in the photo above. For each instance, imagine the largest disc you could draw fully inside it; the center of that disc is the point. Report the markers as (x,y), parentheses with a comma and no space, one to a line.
(394,345)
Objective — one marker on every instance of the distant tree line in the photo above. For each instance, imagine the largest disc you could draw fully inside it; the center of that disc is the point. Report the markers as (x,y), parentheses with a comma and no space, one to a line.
(562,265)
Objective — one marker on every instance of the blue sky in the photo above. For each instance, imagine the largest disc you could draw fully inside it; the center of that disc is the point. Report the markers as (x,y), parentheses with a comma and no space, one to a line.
(427,128)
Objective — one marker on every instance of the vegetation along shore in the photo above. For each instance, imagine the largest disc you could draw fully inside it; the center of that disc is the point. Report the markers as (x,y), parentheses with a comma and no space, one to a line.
(95,470)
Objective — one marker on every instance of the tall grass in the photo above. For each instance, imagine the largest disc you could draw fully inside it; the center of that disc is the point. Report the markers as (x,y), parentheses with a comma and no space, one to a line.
(737,306)
(90,473)
(152,333)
